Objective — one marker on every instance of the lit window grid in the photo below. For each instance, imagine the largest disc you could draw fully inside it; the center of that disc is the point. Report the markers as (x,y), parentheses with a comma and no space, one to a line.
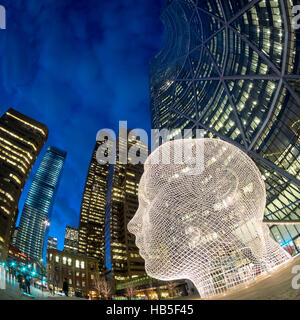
(267,35)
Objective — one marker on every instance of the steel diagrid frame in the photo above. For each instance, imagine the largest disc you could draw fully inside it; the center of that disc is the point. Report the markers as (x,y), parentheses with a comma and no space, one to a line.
(229,99)
(226,25)
(279,76)
(187,57)
(275,99)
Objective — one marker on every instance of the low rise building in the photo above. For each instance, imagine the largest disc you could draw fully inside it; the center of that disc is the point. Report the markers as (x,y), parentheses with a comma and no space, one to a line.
(79,270)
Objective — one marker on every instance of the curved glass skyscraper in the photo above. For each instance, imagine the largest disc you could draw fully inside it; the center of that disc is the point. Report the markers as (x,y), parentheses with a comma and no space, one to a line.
(232,68)
(34,223)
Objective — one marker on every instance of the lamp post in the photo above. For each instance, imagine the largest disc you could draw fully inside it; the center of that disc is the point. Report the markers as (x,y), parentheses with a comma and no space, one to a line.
(13,272)
(46,224)
(42,272)
(2,276)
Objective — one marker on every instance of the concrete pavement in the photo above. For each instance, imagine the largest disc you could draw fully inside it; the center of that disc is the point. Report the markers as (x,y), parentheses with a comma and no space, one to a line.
(275,286)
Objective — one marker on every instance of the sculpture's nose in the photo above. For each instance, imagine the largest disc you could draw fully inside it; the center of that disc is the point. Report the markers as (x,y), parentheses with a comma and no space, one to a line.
(135,224)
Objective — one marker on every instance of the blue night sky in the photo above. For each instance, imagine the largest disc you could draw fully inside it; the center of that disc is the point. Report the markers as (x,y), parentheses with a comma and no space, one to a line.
(78,66)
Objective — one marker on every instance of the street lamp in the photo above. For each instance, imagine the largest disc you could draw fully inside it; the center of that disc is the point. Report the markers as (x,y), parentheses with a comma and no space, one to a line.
(46,223)
(42,271)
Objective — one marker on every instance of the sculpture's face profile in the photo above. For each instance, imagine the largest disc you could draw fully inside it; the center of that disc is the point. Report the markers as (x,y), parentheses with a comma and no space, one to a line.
(192,225)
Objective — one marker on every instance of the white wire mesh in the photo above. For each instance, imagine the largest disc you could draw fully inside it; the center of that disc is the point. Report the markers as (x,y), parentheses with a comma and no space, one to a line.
(205,227)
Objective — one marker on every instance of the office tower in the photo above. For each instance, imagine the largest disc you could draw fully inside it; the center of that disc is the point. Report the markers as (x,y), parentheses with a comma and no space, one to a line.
(121,254)
(71,239)
(92,213)
(36,215)
(21,140)
(52,243)
(232,68)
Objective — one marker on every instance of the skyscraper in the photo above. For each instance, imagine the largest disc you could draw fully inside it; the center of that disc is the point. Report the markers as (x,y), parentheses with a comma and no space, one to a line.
(121,254)
(21,140)
(71,239)
(109,201)
(36,215)
(92,213)
(52,243)
(232,68)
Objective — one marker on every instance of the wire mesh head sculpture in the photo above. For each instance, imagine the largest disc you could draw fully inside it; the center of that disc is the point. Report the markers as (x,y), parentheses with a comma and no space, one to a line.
(207,226)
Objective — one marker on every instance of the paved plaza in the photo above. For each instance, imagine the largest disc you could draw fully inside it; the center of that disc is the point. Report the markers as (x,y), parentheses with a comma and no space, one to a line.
(276,286)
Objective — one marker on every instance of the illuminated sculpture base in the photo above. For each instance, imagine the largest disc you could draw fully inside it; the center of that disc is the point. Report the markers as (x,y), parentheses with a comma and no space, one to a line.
(228,278)
(254,288)
(275,285)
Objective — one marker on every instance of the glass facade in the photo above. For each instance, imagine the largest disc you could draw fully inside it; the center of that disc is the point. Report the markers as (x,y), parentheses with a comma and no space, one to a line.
(92,214)
(109,202)
(21,140)
(36,215)
(232,68)
(121,254)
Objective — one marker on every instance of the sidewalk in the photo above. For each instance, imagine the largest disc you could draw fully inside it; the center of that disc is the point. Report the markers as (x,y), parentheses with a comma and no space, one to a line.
(12,292)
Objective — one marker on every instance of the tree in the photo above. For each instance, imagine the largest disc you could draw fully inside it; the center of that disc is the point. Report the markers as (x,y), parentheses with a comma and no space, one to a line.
(102,286)
(130,291)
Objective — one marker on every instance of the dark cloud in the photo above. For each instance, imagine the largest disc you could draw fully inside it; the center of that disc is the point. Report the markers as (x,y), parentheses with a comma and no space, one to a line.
(78,66)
